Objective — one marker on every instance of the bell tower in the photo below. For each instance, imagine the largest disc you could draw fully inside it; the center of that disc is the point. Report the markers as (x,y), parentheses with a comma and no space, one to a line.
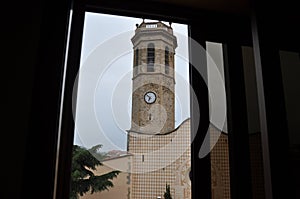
(153,110)
(153,99)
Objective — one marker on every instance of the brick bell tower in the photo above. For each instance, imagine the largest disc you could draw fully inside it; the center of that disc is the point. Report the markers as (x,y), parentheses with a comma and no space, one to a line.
(153,99)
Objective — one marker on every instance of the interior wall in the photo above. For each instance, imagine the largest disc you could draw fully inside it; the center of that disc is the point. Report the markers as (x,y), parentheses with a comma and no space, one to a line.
(21,28)
(290,66)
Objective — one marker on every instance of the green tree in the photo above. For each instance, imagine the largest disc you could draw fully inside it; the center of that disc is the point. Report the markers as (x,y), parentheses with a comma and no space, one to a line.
(84,162)
(167,194)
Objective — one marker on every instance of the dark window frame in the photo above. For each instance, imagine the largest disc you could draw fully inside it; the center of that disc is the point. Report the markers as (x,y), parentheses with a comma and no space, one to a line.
(200,175)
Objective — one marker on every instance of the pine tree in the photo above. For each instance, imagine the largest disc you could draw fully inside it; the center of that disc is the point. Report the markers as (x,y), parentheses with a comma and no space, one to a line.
(167,194)
(83,180)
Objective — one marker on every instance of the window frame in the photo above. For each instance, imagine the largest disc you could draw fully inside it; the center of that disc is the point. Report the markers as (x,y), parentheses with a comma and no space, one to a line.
(200,175)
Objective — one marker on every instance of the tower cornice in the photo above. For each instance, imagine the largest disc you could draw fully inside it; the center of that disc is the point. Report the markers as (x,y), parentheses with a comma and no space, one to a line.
(154,73)
(143,35)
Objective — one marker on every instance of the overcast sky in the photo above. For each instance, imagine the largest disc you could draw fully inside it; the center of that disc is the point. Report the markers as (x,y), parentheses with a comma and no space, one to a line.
(103,111)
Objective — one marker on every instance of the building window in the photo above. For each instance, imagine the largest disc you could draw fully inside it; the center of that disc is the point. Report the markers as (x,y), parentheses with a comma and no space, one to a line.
(167,60)
(136,61)
(82,118)
(150,57)
(112,86)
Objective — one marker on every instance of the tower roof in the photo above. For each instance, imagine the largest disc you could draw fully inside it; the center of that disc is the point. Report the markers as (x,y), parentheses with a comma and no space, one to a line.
(154,29)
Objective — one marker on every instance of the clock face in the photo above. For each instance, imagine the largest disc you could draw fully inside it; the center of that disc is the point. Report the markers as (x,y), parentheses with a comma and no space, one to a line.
(150,97)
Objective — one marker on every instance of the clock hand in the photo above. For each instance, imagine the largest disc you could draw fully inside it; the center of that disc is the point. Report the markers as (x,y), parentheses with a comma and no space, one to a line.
(148,97)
